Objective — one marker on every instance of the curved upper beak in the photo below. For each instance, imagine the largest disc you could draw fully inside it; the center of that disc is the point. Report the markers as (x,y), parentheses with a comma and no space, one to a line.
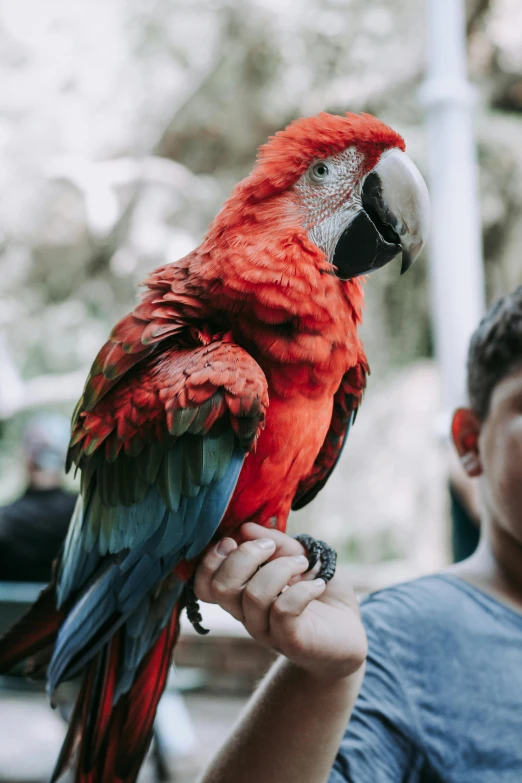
(394,218)
(396,189)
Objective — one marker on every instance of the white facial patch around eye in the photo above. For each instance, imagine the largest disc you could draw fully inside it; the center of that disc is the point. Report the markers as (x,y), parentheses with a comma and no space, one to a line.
(330,205)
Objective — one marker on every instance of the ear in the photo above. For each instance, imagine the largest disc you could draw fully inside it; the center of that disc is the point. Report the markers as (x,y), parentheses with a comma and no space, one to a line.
(465,430)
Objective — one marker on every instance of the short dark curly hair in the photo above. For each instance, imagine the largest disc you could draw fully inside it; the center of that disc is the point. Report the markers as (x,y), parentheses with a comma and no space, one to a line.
(495,350)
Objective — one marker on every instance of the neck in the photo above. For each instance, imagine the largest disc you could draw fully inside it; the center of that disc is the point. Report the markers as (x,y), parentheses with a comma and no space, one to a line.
(496,566)
(277,287)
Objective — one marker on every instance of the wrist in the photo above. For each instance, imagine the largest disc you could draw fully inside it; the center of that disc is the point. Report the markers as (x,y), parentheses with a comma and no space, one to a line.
(338,679)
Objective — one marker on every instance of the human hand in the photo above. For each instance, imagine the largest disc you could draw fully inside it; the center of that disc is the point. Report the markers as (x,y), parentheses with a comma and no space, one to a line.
(263,584)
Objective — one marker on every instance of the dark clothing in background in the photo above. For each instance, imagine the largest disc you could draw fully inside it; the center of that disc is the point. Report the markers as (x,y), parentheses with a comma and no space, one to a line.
(441,700)
(465,531)
(32,530)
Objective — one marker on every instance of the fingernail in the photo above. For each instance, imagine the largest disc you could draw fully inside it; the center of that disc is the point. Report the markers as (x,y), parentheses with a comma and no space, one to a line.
(225,546)
(265,543)
(319,582)
(301,560)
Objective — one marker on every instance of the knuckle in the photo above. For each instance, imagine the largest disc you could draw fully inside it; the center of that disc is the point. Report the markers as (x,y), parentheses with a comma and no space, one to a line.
(250,551)
(280,610)
(220,589)
(242,560)
(208,564)
(253,596)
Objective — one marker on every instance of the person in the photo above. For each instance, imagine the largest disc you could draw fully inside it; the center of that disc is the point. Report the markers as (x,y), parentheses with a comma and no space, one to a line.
(424,682)
(33,527)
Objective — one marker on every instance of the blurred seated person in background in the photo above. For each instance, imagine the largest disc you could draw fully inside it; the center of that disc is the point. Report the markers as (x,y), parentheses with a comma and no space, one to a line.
(33,527)
(424,681)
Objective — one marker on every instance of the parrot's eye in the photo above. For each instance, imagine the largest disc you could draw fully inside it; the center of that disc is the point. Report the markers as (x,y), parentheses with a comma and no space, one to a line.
(319,171)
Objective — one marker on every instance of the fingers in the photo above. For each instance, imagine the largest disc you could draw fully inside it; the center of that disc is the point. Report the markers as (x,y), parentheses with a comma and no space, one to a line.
(291,604)
(285,545)
(206,570)
(286,620)
(264,587)
(221,580)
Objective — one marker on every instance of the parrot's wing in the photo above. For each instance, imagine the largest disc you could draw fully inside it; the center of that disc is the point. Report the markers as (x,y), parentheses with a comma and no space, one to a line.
(160,455)
(346,404)
(171,306)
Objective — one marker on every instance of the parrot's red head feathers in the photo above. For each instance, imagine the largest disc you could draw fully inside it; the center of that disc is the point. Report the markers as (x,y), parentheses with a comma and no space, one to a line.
(287,155)
(330,199)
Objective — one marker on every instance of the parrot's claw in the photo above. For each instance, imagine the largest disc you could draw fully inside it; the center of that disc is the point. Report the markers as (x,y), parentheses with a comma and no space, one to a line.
(319,550)
(192,607)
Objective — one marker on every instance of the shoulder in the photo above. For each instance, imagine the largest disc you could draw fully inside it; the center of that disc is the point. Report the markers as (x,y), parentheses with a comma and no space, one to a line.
(413,618)
(405,599)
(51,508)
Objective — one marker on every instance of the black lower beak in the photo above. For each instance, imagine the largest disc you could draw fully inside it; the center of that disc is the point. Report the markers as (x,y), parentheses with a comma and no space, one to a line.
(393,219)
(361,248)
(407,261)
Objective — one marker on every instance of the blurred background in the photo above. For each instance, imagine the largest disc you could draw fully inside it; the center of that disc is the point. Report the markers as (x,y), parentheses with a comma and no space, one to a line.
(123,127)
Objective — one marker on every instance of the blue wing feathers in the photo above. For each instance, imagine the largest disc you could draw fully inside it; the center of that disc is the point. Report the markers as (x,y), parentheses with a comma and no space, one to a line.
(141,631)
(215,505)
(127,551)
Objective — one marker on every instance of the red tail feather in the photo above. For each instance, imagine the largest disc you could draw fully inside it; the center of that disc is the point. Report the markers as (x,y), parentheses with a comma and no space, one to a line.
(115,739)
(102,717)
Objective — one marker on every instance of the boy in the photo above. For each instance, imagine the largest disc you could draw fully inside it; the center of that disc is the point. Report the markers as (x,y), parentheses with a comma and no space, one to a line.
(427,685)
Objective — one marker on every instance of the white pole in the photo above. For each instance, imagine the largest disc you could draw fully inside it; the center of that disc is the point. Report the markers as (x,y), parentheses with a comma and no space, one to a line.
(457,277)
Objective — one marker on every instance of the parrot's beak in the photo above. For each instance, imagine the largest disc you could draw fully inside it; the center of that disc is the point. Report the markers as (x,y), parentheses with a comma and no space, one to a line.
(394,218)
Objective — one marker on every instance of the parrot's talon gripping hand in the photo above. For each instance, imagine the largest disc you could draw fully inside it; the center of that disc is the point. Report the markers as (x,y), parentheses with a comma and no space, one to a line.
(193,609)
(319,550)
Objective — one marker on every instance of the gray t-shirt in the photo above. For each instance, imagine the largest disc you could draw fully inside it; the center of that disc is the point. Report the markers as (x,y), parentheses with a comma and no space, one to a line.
(442,695)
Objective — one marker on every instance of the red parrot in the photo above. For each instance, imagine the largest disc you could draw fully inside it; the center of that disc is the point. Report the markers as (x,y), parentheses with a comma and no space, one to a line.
(225,396)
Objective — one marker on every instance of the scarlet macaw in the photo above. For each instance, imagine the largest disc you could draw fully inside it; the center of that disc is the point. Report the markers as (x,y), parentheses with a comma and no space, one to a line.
(225,396)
